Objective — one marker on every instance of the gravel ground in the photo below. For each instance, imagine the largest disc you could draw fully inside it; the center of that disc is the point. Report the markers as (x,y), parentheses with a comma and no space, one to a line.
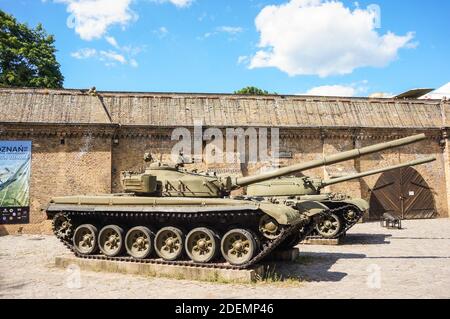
(373,263)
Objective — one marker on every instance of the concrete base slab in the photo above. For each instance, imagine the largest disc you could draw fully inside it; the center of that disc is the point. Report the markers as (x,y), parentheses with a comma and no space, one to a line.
(284,255)
(322,241)
(169,271)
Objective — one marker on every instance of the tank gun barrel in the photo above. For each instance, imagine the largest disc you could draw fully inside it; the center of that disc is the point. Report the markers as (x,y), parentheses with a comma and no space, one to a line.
(328,160)
(333,181)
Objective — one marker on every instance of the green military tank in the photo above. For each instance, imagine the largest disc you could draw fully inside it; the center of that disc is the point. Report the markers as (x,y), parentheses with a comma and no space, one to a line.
(171,215)
(344,211)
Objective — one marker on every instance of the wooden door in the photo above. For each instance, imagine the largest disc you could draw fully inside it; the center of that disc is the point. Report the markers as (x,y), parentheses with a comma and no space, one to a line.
(402,193)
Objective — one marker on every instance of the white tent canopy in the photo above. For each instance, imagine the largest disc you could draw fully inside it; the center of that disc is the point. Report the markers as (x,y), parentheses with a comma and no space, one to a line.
(438,94)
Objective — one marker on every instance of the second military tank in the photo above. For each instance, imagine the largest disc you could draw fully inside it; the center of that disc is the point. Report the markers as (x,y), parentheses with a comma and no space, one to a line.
(171,215)
(345,211)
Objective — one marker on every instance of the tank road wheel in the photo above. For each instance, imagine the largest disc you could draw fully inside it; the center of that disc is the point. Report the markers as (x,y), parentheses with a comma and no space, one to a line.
(269,227)
(202,245)
(139,242)
(329,226)
(238,246)
(169,243)
(85,239)
(110,240)
(62,227)
(351,216)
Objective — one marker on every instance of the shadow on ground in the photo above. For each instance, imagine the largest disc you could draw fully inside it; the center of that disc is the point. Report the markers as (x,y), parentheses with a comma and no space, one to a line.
(366,239)
(316,267)
(313,267)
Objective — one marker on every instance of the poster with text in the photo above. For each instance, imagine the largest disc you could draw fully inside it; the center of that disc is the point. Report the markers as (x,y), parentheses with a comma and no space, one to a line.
(15,167)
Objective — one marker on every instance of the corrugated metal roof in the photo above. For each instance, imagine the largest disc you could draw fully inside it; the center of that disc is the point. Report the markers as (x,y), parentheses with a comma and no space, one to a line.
(222,110)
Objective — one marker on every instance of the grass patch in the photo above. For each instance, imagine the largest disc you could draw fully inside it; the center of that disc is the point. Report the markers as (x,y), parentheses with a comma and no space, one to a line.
(273,277)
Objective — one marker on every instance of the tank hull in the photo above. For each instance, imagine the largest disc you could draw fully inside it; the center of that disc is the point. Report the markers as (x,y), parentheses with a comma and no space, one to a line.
(343,212)
(346,213)
(124,213)
(284,215)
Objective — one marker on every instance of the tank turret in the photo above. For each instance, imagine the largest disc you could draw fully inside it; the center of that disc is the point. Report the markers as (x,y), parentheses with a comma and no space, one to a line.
(295,186)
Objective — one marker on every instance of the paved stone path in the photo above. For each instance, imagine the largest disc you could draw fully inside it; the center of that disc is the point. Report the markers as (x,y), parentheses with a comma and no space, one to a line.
(373,263)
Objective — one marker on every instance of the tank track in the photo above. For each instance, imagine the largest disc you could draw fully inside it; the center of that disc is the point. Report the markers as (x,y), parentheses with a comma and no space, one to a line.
(347,225)
(267,247)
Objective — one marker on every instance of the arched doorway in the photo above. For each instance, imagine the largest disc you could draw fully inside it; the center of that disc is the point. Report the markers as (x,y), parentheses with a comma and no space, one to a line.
(402,193)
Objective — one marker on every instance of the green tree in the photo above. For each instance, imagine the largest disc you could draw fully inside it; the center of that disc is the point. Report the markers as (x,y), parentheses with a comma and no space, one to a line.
(27,56)
(251,90)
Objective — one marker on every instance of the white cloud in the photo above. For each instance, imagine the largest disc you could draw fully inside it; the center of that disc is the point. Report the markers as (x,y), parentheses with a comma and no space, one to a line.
(109,58)
(181,3)
(242,59)
(134,63)
(320,37)
(112,56)
(229,29)
(202,17)
(178,3)
(112,41)
(133,50)
(207,35)
(332,90)
(92,18)
(348,90)
(161,32)
(85,53)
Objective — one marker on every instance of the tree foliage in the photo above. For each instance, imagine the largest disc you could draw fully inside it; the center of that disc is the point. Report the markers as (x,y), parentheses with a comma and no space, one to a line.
(251,90)
(27,56)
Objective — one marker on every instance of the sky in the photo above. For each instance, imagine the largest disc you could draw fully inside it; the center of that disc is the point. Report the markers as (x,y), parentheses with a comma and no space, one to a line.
(316,47)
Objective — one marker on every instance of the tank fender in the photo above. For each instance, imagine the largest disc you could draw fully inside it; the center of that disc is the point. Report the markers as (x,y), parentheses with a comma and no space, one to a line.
(284,215)
(310,207)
